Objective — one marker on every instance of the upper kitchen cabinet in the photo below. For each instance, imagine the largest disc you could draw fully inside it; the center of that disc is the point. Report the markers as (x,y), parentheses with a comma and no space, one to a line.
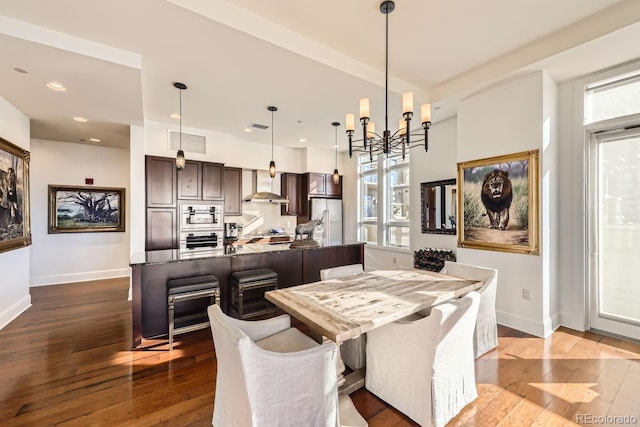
(212,181)
(333,190)
(160,182)
(316,184)
(291,185)
(232,191)
(190,181)
(200,181)
(321,185)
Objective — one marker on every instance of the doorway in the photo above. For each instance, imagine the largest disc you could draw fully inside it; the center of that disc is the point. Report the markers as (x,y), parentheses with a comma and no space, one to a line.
(614,232)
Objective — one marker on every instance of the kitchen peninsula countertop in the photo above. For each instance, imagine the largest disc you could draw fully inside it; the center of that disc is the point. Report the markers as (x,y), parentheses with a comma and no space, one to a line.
(151,270)
(176,255)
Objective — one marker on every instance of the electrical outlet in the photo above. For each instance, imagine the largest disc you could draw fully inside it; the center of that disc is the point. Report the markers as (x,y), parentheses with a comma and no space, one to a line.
(395,260)
(526,294)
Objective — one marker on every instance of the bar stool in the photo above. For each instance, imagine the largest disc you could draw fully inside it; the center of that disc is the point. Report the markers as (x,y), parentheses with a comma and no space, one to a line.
(247,292)
(189,288)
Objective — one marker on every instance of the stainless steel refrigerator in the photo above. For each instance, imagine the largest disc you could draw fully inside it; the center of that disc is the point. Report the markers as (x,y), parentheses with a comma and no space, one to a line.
(330,232)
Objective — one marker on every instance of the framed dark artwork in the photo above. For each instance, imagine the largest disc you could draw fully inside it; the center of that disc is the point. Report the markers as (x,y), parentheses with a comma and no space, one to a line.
(498,200)
(85,209)
(438,207)
(15,226)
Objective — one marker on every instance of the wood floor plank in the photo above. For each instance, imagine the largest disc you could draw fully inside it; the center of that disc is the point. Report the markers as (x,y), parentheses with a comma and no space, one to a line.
(66,361)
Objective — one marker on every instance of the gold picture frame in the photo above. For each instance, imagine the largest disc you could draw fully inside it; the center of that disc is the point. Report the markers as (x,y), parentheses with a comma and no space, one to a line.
(498,204)
(86,209)
(15,221)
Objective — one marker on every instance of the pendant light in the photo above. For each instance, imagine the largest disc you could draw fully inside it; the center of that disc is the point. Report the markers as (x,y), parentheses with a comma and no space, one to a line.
(272,164)
(336,175)
(180,160)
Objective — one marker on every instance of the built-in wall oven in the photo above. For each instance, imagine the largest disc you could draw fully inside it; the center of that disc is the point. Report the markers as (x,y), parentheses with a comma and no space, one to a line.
(201,225)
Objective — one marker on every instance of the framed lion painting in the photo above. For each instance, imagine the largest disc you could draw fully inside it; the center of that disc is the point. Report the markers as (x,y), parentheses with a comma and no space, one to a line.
(498,200)
(15,229)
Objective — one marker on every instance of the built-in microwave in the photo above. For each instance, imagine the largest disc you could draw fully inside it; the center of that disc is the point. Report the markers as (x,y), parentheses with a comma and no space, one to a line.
(201,216)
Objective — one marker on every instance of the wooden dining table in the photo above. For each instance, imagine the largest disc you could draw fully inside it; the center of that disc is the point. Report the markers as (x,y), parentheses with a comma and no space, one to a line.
(345,308)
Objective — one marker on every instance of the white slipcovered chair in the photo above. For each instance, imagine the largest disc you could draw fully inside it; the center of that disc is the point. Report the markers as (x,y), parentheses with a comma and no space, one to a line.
(272,375)
(485,337)
(424,366)
(353,350)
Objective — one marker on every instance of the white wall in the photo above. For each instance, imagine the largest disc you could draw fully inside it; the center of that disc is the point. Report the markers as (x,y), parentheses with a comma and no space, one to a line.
(505,119)
(14,285)
(437,164)
(73,257)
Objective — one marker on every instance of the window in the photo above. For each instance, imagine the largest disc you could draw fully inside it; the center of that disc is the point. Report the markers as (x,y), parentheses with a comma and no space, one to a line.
(384,209)
(612,98)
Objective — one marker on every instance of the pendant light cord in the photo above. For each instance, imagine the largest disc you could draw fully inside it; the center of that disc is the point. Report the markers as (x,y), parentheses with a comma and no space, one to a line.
(271,134)
(386,73)
(336,145)
(180,118)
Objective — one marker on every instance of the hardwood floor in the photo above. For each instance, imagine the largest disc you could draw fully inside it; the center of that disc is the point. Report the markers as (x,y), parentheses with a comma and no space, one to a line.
(67,361)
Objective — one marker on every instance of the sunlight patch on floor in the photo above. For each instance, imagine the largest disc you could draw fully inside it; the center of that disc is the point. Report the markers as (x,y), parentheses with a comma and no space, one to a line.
(570,392)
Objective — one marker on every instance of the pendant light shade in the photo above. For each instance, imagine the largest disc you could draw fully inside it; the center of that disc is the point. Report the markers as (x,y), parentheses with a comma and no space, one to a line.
(272,163)
(180,160)
(272,169)
(336,175)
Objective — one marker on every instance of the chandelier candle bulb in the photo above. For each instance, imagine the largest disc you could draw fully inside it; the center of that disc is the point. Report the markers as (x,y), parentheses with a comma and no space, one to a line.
(364,108)
(371,130)
(425,113)
(350,122)
(402,126)
(407,103)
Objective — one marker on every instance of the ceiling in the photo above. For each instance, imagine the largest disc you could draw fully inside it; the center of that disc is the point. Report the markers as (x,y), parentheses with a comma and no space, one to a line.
(313,60)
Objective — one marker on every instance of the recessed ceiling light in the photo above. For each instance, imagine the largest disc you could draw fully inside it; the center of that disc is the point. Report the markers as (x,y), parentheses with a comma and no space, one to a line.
(336,146)
(248,130)
(80,119)
(59,87)
(94,139)
(302,140)
(174,115)
(20,70)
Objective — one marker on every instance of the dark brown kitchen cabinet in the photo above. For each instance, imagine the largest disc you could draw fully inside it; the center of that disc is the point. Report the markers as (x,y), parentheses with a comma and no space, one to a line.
(161,230)
(190,181)
(232,191)
(291,186)
(333,190)
(200,181)
(212,181)
(321,185)
(316,184)
(160,182)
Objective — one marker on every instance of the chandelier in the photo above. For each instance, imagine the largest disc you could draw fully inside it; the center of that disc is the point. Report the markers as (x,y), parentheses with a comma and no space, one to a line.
(402,139)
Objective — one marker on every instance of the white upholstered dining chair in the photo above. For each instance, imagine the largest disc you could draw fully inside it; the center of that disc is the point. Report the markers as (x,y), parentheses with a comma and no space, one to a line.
(485,337)
(424,366)
(272,375)
(352,351)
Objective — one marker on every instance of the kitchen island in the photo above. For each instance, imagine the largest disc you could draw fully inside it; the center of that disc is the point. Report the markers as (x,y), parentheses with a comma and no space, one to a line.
(151,270)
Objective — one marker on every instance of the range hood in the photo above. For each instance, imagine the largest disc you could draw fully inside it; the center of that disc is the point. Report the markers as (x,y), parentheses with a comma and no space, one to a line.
(262,185)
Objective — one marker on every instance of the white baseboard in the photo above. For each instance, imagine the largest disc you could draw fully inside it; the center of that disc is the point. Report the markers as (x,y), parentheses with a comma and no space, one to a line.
(571,321)
(79,277)
(529,326)
(6,316)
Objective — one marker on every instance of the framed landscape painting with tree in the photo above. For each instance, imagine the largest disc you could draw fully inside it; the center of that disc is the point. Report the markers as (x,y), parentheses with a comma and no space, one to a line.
(85,209)
(498,203)
(15,225)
